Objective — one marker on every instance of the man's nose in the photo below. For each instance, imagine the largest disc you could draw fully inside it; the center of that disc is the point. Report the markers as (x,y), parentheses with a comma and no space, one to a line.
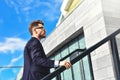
(44,30)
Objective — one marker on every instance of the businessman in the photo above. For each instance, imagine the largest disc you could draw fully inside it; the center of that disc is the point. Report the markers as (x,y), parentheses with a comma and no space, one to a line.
(36,64)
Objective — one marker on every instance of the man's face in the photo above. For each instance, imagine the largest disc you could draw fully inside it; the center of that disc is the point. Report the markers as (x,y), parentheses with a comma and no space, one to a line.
(40,31)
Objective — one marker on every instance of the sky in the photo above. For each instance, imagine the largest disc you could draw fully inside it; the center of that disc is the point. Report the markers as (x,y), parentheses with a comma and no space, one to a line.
(15,16)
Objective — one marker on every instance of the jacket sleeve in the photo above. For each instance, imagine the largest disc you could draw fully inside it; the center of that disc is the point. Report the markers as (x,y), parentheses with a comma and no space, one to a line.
(38,56)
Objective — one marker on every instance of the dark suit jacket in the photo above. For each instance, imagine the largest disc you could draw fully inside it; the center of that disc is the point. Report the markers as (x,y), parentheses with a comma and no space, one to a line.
(36,64)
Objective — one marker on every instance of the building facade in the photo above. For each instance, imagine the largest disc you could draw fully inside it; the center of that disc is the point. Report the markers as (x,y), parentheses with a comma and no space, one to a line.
(82,24)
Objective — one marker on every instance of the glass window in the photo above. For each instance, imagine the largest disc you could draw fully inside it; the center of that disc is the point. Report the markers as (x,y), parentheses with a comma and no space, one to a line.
(81,41)
(66,75)
(81,69)
(76,68)
(52,69)
(57,56)
(86,68)
(64,51)
(73,45)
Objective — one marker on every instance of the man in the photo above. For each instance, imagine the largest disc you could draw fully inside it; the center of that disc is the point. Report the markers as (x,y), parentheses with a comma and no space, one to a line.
(36,64)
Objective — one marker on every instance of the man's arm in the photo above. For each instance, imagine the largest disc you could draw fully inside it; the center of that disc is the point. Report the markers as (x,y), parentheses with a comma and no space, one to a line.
(38,55)
(38,58)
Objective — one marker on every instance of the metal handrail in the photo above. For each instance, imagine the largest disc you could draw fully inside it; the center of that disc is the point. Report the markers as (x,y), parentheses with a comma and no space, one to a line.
(83,54)
(77,50)
(11,66)
(59,69)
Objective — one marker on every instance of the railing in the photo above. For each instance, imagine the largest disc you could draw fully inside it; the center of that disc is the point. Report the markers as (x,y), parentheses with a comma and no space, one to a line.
(77,50)
(58,77)
(114,53)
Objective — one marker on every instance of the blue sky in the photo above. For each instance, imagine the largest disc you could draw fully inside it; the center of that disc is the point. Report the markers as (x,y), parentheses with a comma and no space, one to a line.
(15,16)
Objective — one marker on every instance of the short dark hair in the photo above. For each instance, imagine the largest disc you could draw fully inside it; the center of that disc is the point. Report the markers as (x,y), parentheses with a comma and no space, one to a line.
(34,24)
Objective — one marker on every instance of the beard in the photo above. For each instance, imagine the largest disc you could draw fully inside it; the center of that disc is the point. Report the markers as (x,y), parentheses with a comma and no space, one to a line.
(42,36)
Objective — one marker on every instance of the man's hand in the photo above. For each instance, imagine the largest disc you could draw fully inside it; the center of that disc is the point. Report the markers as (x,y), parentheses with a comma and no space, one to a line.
(65,63)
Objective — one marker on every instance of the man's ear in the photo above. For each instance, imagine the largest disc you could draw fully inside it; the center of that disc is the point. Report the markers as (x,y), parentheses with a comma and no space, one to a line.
(34,30)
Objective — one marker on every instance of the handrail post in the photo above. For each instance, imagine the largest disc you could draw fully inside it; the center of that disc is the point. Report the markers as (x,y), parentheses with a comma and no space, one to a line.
(91,68)
(115,57)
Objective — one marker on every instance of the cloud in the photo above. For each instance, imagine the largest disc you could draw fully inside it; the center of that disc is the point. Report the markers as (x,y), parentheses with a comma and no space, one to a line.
(14,60)
(48,9)
(52,10)
(12,45)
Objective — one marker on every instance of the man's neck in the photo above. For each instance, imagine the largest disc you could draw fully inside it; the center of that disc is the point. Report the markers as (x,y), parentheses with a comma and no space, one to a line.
(36,37)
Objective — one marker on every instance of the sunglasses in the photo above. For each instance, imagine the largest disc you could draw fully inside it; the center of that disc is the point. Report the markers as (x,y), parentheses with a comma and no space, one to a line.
(40,28)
